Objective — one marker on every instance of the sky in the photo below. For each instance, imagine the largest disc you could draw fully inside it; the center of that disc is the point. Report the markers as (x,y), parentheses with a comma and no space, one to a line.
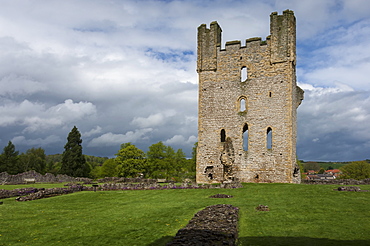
(125,71)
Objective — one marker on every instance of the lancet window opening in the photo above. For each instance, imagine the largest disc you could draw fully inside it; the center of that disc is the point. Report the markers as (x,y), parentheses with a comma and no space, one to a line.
(245,137)
(242,104)
(223,135)
(269,138)
(243,74)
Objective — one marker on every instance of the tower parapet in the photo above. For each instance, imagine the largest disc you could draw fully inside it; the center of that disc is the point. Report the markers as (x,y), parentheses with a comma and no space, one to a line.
(208,42)
(283,37)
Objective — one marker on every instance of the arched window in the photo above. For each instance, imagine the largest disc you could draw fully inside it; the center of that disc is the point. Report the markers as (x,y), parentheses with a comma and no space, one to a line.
(223,135)
(269,138)
(245,137)
(243,105)
(243,74)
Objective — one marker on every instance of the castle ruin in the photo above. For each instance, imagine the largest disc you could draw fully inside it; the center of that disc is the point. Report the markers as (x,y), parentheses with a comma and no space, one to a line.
(248,100)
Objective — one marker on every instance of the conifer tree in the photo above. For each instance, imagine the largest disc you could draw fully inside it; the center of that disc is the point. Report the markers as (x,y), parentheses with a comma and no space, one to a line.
(9,159)
(73,162)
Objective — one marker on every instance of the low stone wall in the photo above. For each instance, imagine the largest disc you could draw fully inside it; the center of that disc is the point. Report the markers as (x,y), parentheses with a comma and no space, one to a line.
(125,180)
(45,193)
(21,178)
(156,186)
(17,192)
(351,188)
(338,181)
(38,193)
(212,226)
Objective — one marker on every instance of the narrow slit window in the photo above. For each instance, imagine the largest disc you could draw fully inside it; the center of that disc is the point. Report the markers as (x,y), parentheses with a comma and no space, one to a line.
(243,74)
(223,135)
(243,105)
(245,137)
(269,138)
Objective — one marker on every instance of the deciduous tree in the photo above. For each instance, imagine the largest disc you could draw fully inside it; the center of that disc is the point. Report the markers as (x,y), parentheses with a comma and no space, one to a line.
(164,162)
(356,170)
(33,159)
(109,169)
(130,161)
(321,171)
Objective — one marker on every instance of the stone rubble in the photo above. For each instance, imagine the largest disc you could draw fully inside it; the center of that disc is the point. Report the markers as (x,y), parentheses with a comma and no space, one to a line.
(350,188)
(221,196)
(262,208)
(215,225)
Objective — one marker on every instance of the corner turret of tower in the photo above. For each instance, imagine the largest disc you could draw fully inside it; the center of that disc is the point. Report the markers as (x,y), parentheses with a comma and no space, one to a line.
(209,40)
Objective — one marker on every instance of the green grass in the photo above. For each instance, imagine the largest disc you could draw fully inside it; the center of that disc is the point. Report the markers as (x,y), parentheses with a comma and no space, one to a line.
(299,215)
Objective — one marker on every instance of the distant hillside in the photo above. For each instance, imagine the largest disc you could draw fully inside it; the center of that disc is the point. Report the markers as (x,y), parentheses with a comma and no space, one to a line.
(317,165)
(313,165)
(333,165)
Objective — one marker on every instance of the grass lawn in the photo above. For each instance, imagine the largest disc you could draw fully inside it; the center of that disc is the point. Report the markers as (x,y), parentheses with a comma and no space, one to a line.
(299,215)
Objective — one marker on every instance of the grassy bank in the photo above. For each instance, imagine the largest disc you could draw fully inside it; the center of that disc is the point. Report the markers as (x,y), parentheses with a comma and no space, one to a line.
(300,214)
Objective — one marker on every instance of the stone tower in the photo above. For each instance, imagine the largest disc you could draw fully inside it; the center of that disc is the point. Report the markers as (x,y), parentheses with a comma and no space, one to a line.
(248,100)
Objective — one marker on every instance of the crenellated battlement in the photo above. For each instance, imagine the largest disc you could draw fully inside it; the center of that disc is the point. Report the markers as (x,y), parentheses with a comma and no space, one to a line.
(280,44)
(249,43)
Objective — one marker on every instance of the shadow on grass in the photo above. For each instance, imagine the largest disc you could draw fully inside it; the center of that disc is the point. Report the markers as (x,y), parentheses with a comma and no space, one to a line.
(161,242)
(301,241)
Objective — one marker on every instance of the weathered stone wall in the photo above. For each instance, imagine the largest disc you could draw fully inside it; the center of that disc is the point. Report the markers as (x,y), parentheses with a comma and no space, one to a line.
(266,101)
(20,178)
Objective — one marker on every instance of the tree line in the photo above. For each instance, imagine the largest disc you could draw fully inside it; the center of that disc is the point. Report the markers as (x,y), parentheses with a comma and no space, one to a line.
(160,161)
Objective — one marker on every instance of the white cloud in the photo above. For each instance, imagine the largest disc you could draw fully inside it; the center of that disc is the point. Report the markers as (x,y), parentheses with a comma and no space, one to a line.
(59,115)
(333,124)
(111,139)
(15,113)
(321,91)
(41,142)
(13,84)
(71,109)
(181,140)
(177,139)
(153,119)
(36,117)
(315,139)
(92,132)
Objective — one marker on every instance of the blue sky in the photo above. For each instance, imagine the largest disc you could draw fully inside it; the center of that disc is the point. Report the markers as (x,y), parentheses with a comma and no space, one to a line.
(125,71)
